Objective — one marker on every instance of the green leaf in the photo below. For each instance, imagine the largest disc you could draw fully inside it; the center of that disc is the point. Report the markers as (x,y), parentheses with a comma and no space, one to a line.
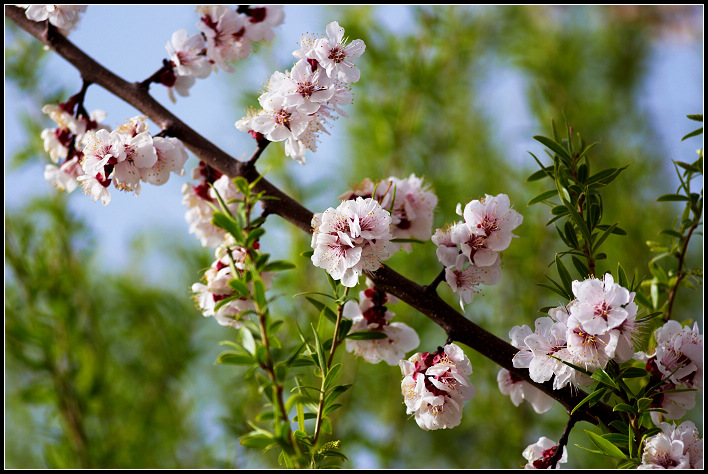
(604,235)
(235,358)
(695,117)
(605,446)
(366,335)
(278,266)
(623,407)
(601,376)
(225,222)
(590,399)
(239,287)
(633,372)
(693,133)
(321,359)
(553,146)
(564,276)
(672,197)
(543,197)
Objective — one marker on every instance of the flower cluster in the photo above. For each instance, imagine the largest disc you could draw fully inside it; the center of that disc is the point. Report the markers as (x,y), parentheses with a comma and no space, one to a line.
(597,326)
(297,104)
(470,249)
(127,156)
(216,298)
(201,199)
(539,454)
(66,142)
(678,361)
(519,390)
(410,202)
(63,17)
(435,386)
(676,447)
(351,239)
(372,314)
(225,35)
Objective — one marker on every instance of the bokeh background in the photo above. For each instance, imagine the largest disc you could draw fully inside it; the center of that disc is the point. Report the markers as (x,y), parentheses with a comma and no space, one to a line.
(108,363)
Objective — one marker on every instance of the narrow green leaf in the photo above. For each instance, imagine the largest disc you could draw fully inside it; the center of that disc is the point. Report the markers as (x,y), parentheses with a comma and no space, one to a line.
(278,266)
(553,146)
(672,197)
(543,197)
(623,407)
(605,446)
(603,236)
(564,276)
(366,335)
(603,377)
(693,133)
(590,399)
(321,359)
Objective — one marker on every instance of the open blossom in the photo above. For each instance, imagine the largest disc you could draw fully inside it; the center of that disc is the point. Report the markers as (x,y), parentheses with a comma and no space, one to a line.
(63,17)
(679,354)
(299,104)
(371,314)
(601,305)
(351,239)
(436,385)
(519,390)
(489,223)
(676,447)
(188,54)
(127,156)
(335,55)
(539,454)
(465,282)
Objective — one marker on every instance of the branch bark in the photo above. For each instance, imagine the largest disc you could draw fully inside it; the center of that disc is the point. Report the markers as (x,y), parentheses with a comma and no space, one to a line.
(457,327)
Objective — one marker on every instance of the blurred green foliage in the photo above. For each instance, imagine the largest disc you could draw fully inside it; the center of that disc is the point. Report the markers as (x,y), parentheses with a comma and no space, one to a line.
(104,369)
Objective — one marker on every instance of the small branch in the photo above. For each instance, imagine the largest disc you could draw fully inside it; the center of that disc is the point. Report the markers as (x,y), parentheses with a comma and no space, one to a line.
(679,273)
(434,284)
(563,441)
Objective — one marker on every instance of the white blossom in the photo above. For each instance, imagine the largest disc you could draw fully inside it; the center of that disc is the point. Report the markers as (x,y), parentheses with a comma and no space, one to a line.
(540,453)
(519,390)
(351,239)
(371,314)
(436,385)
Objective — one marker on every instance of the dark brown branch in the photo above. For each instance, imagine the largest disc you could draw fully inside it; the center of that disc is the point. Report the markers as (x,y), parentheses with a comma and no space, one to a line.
(456,326)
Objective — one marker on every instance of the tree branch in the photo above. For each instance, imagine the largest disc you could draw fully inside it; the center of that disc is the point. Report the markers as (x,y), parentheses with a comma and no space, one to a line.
(456,326)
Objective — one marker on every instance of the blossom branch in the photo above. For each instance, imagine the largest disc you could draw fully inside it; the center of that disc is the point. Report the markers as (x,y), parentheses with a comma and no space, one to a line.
(455,325)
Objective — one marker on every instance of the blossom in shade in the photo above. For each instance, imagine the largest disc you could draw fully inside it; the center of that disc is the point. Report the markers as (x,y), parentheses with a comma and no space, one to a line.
(436,385)
(676,447)
(372,314)
(214,297)
(200,198)
(351,239)
(519,390)
(466,282)
(679,354)
(540,454)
